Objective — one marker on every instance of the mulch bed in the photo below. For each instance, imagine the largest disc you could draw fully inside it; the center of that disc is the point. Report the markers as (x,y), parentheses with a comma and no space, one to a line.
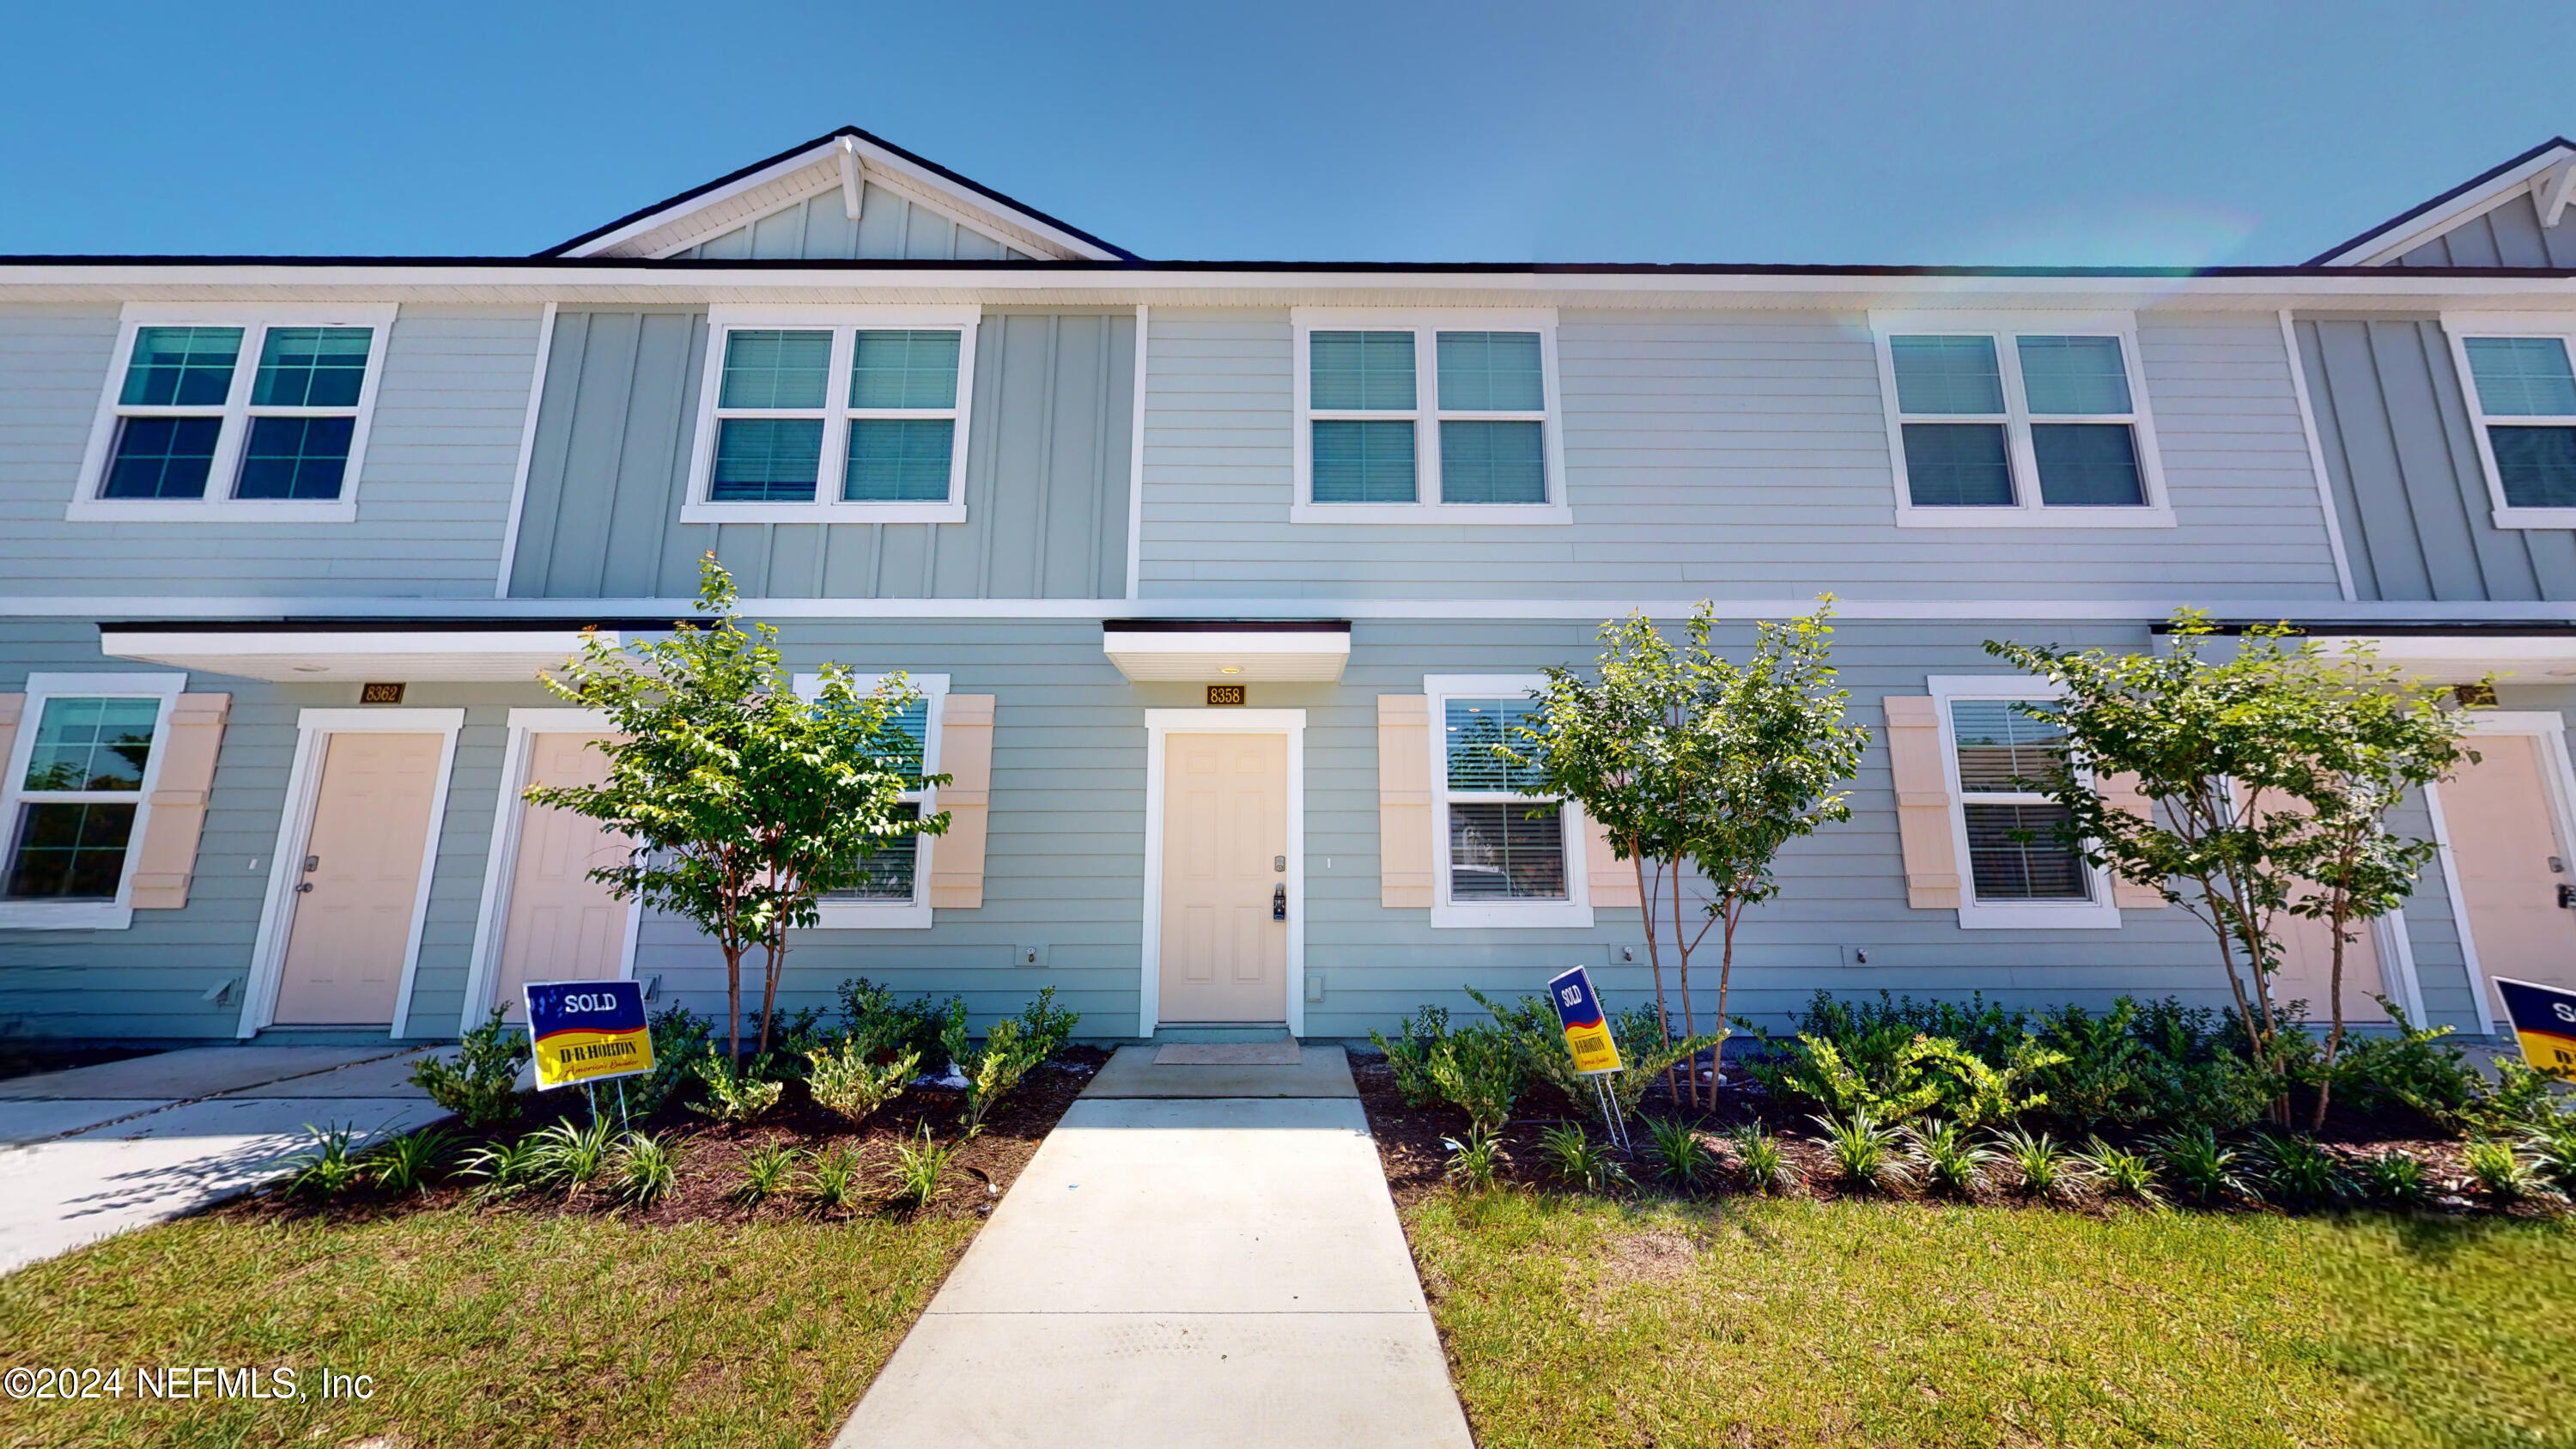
(1410,1144)
(709,1154)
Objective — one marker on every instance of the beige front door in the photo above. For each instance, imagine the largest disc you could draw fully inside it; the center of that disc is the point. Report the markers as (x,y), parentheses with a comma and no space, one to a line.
(563,926)
(361,879)
(2511,863)
(1225,859)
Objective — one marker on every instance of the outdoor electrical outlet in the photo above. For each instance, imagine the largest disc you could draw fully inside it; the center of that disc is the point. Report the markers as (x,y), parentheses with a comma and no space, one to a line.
(1314,986)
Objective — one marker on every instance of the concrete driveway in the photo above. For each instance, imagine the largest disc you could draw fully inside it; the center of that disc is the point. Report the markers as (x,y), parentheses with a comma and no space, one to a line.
(98,1150)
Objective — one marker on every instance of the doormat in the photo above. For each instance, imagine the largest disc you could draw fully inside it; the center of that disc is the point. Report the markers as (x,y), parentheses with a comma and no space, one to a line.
(1280,1053)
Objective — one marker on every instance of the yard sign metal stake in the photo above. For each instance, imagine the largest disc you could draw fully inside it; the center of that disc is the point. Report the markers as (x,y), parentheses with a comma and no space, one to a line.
(1595,1050)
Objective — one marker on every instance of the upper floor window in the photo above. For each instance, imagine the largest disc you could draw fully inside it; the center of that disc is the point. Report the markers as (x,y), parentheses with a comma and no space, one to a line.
(1427,418)
(215,415)
(835,413)
(2522,400)
(1510,855)
(77,789)
(894,890)
(2020,871)
(2005,427)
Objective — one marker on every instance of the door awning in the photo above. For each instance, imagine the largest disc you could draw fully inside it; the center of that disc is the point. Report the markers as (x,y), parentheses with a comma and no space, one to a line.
(308,651)
(1228,651)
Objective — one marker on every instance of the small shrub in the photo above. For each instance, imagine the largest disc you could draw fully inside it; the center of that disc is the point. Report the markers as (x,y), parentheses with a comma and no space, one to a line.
(1644,1056)
(2502,1173)
(2297,1172)
(507,1169)
(327,1168)
(1012,1046)
(2519,1103)
(831,1183)
(2396,1180)
(1948,1159)
(679,1040)
(767,1171)
(406,1163)
(2414,1069)
(2553,1155)
(643,1169)
(1867,1153)
(1758,1157)
(2200,1167)
(844,1080)
(1481,1071)
(1408,1057)
(573,1156)
(1475,1162)
(887,1028)
(2046,1168)
(918,1168)
(2121,1171)
(735,1096)
(1576,1158)
(1681,1154)
(481,1085)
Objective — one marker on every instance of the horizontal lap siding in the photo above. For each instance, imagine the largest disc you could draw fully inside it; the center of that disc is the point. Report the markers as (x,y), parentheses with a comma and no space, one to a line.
(1046,475)
(433,501)
(1722,455)
(2410,492)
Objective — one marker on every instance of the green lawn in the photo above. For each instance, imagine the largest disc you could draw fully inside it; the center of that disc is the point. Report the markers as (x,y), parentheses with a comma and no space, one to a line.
(479,1327)
(1755,1322)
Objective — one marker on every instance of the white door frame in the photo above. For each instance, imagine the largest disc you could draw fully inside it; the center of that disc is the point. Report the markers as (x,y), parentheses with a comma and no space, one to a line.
(2548,730)
(313,731)
(501,862)
(1160,725)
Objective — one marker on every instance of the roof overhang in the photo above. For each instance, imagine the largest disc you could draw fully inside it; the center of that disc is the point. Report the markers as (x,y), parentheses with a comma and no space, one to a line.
(1228,651)
(2453,652)
(2546,172)
(323,651)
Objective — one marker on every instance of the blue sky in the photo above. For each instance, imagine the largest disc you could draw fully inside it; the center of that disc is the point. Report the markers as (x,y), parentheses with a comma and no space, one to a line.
(1498,131)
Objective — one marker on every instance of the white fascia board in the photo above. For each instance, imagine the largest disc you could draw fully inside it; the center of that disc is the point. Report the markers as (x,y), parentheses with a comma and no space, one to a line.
(290,657)
(2390,243)
(1249,657)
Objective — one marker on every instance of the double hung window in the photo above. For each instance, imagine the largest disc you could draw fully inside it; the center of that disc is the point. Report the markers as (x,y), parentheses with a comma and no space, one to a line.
(1427,417)
(240,417)
(2019,428)
(833,415)
(76,795)
(894,891)
(2020,870)
(2522,398)
(1507,854)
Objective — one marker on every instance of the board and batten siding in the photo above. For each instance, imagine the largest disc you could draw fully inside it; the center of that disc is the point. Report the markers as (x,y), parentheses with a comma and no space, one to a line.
(433,501)
(1046,474)
(1723,454)
(2508,234)
(2418,522)
(819,228)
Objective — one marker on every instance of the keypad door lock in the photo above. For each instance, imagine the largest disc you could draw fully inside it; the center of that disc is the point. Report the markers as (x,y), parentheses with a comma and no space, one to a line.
(2567,898)
(1279,903)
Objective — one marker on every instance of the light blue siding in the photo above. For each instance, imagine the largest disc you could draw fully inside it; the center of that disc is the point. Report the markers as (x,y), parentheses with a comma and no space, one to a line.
(889,226)
(1728,455)
(1046,474)
(433,499)
(2417,519)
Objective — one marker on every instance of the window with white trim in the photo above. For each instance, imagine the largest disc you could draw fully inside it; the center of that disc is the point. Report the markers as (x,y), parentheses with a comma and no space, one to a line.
(2019,427)
(826,415)
(2522,404)
(2018,870)
(894,892)
(235,416)
(1431,417)
(74,802)
(1507,854)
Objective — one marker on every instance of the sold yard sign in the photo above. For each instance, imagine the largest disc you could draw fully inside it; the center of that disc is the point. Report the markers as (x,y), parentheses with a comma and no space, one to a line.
(588,1031)
(1587,1031)
(2544,1018)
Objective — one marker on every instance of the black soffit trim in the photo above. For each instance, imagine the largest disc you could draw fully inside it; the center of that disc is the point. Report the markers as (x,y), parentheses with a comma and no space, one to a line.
(1225,626)
(378,626)
(2412,629)
(792,152)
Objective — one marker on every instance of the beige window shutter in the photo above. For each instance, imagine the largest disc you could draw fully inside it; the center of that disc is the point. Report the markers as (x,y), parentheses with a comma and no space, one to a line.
(12,706)
(1404,843)
(167,859)
(966,757)
(1923,801)
(1612,881)
(2120,792)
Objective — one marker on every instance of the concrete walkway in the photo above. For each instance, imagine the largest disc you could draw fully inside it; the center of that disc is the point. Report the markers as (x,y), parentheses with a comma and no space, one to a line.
(1198,1254)
(98,1150)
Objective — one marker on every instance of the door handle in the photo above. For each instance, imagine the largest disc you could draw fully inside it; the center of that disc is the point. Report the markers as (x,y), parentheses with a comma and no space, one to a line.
(1279,902)
(304,888)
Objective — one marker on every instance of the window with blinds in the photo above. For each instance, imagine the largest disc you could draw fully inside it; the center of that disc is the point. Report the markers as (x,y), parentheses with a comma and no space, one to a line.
(2015,849)
(1412,419)
(2525,400)
(2018,424)
(1505,842)
(850,420)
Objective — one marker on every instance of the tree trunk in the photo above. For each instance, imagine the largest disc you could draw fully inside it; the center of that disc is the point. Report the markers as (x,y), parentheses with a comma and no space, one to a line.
(1681,945)
(775,943)
(1725,973)
(2334,992)
(1654,960)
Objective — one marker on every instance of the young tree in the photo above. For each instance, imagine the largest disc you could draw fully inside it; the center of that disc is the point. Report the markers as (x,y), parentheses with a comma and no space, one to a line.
(1701,768)
(2269,774)
(744,802)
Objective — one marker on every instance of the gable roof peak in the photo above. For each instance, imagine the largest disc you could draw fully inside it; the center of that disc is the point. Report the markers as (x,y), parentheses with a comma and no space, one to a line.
(848,158)
(2546,173)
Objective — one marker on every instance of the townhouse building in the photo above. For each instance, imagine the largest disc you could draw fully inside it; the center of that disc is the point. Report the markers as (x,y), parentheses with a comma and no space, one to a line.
(1212,575)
